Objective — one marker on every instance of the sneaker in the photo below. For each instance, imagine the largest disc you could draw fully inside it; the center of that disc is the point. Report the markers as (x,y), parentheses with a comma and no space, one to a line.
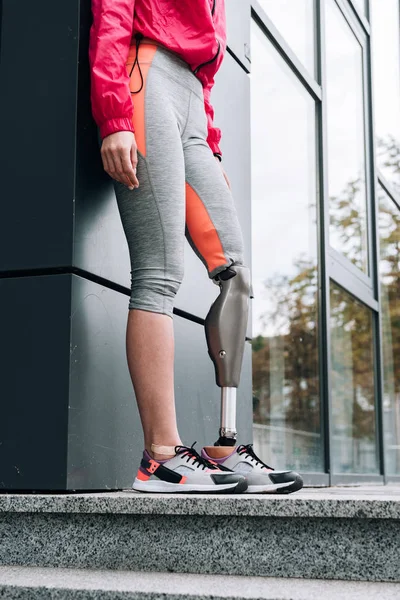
(186,472)
(261,478)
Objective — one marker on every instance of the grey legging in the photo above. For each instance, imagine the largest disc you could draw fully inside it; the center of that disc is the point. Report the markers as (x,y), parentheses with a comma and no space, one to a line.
(182,188)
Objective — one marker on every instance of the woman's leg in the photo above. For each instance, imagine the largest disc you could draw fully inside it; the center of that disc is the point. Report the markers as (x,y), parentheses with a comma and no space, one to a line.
(153,217)
(214,232)
(150,353)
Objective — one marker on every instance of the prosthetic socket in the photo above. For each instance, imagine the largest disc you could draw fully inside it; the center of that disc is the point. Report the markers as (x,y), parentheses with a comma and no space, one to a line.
(225,328)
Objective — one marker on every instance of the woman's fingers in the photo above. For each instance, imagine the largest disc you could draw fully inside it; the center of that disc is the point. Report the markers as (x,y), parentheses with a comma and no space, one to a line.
(134,158)
(116,151)
(227,180)
(128,169)
(228,183)
(106,163)
(110,164)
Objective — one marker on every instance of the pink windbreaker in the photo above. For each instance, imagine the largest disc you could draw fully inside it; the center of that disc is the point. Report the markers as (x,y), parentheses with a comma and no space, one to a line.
(194,29)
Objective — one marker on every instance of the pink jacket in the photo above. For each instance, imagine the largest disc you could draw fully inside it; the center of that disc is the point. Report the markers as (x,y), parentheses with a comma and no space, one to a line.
(194,29)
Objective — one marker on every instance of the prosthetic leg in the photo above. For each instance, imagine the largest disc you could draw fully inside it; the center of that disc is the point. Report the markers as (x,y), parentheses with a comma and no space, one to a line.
(225,328)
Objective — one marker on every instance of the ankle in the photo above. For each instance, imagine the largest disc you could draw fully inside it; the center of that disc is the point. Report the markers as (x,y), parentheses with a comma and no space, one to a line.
(162,451)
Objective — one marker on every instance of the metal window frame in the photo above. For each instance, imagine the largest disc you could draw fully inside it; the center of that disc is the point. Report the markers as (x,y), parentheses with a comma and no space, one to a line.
(394,196)
(363,18)
(331,264)
(312,86)
(356,478)
(392,479)
(285,51)
(380,181)
(361,37)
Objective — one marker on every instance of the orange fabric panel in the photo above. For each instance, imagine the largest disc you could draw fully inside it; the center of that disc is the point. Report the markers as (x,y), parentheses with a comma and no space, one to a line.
(146,55)
(202,231)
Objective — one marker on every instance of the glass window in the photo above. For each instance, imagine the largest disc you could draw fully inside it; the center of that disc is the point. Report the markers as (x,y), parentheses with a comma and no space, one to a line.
(284,263)
(385,20)
(389,234)
(346,140)
(295,21)
(353,393)
(360,4)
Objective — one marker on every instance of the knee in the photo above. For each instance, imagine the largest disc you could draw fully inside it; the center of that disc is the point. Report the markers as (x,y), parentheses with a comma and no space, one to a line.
(154,290)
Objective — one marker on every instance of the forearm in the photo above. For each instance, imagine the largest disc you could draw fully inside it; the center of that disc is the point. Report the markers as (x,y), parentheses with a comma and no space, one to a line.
(110,37)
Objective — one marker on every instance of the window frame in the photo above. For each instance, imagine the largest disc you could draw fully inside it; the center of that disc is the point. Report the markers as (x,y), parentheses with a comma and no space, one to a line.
(332,266)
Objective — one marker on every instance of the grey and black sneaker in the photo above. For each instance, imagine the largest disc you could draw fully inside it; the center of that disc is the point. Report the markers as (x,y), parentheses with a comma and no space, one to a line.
(261,478)
(186,472)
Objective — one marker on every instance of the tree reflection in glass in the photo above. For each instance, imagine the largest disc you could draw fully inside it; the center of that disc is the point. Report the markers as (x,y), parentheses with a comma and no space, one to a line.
(345,140)
(352,385)
(389,237)
(286,397)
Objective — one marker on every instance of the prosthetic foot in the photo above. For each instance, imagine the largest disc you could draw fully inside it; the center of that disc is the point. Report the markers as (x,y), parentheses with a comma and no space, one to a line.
(225,327)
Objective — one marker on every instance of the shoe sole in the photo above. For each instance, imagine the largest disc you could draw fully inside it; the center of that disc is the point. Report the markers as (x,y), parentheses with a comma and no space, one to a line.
(164,487)
(276,488)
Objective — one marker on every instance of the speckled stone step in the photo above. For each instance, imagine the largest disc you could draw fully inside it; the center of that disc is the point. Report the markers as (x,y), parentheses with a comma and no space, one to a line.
(36,583)
(324,535)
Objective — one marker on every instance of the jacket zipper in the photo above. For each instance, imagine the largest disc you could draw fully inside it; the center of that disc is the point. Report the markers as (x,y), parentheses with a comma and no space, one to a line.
(219,46)
(209,61)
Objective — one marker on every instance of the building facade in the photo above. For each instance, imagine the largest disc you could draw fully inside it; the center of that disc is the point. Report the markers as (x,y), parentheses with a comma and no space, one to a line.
(308,100)
(325,115)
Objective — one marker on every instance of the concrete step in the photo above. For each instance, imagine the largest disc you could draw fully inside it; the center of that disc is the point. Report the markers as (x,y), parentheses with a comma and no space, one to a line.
(325,535)
(36,583)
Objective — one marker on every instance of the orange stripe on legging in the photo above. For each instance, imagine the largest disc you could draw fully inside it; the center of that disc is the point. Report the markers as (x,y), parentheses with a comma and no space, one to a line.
(146,55)
(202,231)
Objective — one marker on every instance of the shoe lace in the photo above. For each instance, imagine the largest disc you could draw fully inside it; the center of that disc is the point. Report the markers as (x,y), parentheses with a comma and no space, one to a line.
(247,450)
(195,458)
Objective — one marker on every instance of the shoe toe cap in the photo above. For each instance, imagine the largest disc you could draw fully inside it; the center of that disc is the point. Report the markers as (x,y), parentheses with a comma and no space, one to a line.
(283,476)
(226,478)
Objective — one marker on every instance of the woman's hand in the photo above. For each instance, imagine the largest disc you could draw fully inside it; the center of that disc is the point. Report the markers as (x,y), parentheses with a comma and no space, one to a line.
(224,174)
(119,155)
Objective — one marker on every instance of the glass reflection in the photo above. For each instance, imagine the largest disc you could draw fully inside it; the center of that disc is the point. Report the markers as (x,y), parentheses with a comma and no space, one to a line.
(389,235)
(295,21)
(360,4)
(284,264)
(346,143)
(385,21)
(353,393)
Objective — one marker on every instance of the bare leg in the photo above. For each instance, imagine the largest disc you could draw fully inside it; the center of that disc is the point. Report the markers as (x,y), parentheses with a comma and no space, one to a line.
(150,354)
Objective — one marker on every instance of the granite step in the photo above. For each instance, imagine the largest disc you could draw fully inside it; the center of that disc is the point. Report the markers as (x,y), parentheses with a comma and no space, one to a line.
(38,583)
(335,534)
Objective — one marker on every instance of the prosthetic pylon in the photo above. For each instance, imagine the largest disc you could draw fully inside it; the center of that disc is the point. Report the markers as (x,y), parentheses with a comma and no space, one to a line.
(225,328)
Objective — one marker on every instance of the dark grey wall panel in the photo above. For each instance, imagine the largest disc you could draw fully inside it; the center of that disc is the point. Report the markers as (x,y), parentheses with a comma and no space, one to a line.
(38,75)
(231,100)
(99,241)
(238,19)
(104,431)
(34,377)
